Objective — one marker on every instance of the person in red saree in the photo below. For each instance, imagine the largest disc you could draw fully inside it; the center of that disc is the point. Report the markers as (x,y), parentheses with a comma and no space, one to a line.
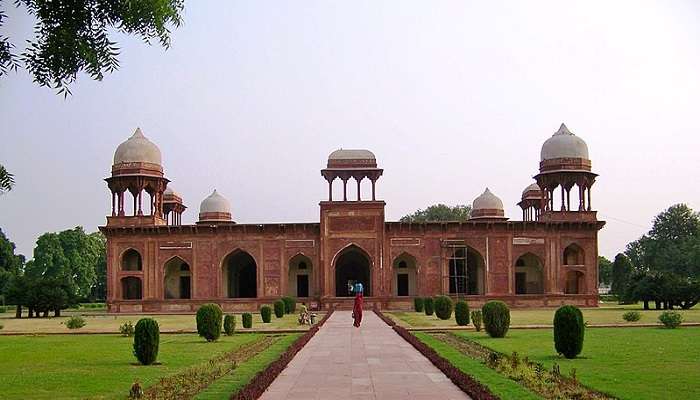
(357,309)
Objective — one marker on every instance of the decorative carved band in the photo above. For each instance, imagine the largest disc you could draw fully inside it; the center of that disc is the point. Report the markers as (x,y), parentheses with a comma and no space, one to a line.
(405,241)
(526,241)
(299,243)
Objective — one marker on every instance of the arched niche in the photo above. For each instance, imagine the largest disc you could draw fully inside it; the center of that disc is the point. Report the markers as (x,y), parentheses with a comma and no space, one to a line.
(466,272)
(529,275)
(575,283)
(352,264)
(239,275)
(131,261)
(573,255)
(132,289)
(300,276)
(177,279)
(404,283)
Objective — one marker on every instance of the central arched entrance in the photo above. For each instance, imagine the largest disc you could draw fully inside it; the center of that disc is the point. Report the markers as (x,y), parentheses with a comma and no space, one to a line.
(351,265)
(239,275)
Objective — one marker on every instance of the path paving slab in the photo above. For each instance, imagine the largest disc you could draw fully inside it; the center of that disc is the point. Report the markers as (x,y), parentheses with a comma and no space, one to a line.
(371,362)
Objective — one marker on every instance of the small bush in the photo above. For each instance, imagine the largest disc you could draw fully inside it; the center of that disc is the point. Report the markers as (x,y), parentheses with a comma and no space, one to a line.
(462,313)
(496,318)
(75,322)
(631,316)
(136,391)
(290,304)
(229,324)
(1,326)
(418,304)
(146,341)
(443,307)
(3,309)
(279,308)
(428,306)
(266,314)
(476,320)
(671,319)
(247,320)
(569,330)
(126,329)
(209,318)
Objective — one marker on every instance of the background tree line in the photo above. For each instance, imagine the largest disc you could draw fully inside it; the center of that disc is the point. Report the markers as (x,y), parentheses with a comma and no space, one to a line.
(662,266)
(68,267)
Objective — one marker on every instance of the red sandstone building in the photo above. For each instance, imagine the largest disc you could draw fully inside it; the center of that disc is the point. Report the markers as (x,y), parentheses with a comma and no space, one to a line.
(156,264)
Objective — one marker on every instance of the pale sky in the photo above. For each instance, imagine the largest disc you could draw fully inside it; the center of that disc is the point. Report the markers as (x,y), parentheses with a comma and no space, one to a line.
(451,96)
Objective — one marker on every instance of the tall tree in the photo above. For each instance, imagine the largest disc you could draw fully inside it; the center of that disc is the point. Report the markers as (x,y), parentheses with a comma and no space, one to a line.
(621,274)
(72,36)
(604,270)
(99,288)
(439,212)
(11,264)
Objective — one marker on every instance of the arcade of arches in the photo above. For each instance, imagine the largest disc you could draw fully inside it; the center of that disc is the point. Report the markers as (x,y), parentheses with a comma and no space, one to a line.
(352,265)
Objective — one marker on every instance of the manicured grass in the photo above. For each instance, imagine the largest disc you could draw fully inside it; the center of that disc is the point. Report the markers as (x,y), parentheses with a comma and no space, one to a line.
(95,366)
(629,363)
(607,314)
(225,386)
(102,323)
(497,383)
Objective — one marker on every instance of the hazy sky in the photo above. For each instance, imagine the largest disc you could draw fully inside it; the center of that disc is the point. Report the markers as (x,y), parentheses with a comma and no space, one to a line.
(451,97)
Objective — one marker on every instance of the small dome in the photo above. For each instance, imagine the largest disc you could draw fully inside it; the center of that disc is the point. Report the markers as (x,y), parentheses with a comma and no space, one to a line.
(350,154)
(169,191)
(487,205)
(215,203)
(564,144)
(137,149)
(532,188)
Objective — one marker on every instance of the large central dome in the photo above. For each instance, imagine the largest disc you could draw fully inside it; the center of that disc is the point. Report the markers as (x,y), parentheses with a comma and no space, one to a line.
(137,149)
(564,144)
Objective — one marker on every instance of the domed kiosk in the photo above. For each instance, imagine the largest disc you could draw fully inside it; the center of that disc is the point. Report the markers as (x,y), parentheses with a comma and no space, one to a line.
(530,202)
(173,207)
(215,209)
(487,207)
(351,163)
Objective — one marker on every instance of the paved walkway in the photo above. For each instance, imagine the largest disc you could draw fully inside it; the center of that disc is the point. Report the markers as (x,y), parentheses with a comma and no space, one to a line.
(371,362)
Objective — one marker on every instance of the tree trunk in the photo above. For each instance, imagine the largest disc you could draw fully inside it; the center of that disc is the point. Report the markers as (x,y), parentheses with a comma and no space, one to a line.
(646,304)
(31,312)
(18,311)
(57,312)
(657,304)
(46,313)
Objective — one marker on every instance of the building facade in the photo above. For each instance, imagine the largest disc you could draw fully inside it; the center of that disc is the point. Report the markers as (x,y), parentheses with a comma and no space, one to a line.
(156,264)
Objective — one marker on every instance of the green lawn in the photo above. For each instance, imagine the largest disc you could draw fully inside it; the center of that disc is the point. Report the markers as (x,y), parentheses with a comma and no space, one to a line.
(103,323)
(98,366)
(607,314)
(630,363)
(497,383)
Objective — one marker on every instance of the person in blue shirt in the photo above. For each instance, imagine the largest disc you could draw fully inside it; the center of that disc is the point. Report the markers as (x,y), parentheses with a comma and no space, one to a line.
(358,288)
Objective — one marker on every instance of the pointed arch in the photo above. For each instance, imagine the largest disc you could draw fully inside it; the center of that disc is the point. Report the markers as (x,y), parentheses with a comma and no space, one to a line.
(404,275)
(573,255)
(300,276)
(352,264)
(239,273)
(529,274)
(177,279)
(575,283)
(466,271)
(131,260)
(132,288)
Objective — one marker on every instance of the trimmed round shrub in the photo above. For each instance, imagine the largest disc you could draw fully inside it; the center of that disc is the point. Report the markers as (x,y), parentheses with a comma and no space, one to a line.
(290,304)
(632,316)
(418,304)
(75,322)
(209,318)
(247,319)
(428,306)
(279,308)
(146,341)
(443,307)
(229,324)
(476,320)
(568,331)
(462,313)
(496,318)
(671,319)
(266,314)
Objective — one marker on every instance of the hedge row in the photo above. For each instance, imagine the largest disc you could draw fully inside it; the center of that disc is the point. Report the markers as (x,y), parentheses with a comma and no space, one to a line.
(465,382)
(263,379)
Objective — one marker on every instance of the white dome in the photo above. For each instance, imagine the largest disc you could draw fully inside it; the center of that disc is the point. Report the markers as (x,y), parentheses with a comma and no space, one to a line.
(487,201)
(169,191)
(349,154)
(215,203)
(137,149)
(533,187)
(564,144)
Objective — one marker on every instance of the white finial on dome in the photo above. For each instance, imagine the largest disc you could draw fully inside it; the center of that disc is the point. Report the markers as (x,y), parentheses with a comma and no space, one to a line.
(563,130)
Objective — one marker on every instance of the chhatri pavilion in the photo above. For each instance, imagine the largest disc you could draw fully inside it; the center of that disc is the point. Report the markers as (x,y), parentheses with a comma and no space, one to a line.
(157,264)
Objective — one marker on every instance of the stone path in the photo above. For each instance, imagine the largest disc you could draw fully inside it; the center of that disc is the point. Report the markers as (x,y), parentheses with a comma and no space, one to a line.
(371,362)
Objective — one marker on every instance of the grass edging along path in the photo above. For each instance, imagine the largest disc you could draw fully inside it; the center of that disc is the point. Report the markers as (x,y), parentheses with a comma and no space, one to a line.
(263,379)
(475,389)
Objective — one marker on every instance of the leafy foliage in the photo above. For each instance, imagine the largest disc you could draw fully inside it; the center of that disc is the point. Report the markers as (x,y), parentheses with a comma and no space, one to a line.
(279,308)
(209,317)
(496,318)
(462,313)
(75,322)
(621,274)
(418,304)
(604,271)
(428,306)
(439,212)
(266,314)
(671,319)
(127,329)
(443,307)
(290,304)
(146,341)
(7,180)
(569,330)
(477,319)
(72,36)
(10,264)
(229,324)
(247,319)
(632,316)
